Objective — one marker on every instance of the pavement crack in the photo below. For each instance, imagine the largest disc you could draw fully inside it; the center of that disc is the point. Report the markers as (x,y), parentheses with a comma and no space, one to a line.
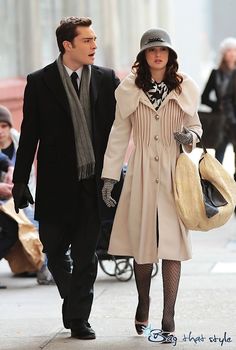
(45,344)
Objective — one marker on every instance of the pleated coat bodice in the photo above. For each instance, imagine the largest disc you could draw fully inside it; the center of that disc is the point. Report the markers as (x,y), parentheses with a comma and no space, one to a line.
(146,224)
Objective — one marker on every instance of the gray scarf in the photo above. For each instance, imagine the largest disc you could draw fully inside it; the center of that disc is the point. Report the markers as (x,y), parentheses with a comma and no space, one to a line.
(81,118)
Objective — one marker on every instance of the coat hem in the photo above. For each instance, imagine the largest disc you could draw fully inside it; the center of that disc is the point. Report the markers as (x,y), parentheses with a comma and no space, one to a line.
(148,261)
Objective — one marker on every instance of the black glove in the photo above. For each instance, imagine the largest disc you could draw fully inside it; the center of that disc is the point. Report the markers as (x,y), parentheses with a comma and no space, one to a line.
(106,192)
(22,196)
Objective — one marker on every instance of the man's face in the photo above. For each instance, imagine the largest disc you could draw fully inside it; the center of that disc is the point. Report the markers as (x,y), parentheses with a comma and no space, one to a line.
(81,51)
(4,133)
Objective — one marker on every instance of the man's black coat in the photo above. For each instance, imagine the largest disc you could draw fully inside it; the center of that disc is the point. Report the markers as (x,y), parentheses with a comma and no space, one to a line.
(47,124)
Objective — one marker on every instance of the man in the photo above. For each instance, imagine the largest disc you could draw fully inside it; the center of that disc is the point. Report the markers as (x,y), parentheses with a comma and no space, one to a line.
(69,108)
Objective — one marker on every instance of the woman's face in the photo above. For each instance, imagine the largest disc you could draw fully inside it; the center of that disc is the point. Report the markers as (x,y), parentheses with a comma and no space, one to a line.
(230,57)
(157,57)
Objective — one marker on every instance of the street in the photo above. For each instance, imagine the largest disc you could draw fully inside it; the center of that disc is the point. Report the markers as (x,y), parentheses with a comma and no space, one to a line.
(30,314)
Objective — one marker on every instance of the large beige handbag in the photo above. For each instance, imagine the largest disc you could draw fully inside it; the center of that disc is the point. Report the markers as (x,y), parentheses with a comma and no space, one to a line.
(189,196)
(26,255)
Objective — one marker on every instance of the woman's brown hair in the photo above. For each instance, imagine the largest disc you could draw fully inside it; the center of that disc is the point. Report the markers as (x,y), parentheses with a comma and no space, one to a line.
(171,78)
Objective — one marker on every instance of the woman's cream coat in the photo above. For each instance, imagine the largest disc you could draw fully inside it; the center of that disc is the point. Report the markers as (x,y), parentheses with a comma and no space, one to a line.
(147,199)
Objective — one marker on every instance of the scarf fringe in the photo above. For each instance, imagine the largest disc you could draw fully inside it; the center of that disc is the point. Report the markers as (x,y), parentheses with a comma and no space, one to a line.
(86,171)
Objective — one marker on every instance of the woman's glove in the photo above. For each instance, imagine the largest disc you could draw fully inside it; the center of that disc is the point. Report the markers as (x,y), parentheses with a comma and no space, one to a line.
(106,192)
(184,138)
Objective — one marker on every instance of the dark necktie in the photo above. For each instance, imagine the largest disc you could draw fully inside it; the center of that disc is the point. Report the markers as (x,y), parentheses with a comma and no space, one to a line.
(74,77)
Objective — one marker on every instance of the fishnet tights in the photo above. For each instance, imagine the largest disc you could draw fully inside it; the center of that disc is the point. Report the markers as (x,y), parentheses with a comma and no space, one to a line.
(171,271)
(143,273)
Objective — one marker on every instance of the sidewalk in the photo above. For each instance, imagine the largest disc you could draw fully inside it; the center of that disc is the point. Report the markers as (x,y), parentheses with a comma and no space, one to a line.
(30,314)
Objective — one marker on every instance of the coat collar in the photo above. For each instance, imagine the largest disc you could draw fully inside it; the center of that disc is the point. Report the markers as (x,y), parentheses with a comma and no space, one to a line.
(96,77)
(53,80)
(128,96)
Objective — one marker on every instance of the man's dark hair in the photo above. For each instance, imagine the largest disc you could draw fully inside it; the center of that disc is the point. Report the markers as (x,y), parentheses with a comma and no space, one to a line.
(67,30)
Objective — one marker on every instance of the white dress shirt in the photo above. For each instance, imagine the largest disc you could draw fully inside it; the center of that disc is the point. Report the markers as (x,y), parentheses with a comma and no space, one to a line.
(78,71)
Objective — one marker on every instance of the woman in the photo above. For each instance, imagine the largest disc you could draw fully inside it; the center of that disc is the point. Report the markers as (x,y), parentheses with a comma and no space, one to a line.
(218,83)
(159,106)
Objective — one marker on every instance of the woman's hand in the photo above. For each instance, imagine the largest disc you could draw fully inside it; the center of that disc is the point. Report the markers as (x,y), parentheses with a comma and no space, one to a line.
(106,192)
(184,138)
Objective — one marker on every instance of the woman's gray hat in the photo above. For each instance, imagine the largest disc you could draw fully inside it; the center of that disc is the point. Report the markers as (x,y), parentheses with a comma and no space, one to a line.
(155,37)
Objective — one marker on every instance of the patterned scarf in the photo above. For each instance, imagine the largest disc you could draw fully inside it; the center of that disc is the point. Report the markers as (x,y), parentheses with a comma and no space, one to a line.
(157,93)
(81,118)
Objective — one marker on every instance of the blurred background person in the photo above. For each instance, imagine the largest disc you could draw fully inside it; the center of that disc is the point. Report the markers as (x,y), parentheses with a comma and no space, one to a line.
(9,139)
(214,93)
(229,105)
(5,191)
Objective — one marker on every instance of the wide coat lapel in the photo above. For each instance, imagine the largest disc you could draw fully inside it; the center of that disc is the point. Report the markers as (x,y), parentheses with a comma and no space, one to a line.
(53,81)
(96,77)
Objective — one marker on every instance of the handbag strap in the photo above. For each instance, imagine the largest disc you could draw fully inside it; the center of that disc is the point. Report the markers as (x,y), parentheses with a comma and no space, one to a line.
(200,141)
(203,147)
(204,150)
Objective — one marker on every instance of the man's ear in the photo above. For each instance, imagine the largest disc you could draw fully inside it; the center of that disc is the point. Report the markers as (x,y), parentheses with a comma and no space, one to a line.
(67,45)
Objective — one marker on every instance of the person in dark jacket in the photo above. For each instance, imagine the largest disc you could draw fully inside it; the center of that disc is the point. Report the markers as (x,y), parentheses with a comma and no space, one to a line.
(9,233)
(215,91)
(229,103)
(5,163)
(68,111)
(5,191)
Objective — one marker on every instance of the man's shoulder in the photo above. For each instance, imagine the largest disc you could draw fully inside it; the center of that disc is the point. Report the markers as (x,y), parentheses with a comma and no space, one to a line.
(53,66)
(104,70)
(38,73)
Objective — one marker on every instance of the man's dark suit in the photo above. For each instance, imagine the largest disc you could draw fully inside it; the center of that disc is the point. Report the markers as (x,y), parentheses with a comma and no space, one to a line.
(69,212)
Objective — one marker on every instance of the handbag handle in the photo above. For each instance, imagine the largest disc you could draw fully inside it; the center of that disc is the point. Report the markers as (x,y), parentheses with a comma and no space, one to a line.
(200,141)
(204,150)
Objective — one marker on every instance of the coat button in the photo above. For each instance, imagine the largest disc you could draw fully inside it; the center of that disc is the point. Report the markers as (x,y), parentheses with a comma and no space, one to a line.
(156,137)
(156,158)
(157,180)
(157,117)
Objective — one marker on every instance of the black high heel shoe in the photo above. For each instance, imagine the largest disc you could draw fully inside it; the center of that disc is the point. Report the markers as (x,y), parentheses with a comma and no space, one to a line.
(140,326)
(169,337)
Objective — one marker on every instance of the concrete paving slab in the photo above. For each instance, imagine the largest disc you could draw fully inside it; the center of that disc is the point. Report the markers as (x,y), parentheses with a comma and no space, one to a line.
(30,315)
(224,267)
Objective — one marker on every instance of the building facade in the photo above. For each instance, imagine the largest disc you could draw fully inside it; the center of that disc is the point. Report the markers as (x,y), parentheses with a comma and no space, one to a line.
(28,41)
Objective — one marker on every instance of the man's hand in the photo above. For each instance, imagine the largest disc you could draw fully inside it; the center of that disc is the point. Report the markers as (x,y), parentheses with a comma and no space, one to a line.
(184,138)
(106,192)
(22,196)
(5,190)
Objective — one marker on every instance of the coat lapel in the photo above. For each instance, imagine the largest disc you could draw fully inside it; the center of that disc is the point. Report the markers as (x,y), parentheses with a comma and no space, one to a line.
(53,81)
(96,77)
